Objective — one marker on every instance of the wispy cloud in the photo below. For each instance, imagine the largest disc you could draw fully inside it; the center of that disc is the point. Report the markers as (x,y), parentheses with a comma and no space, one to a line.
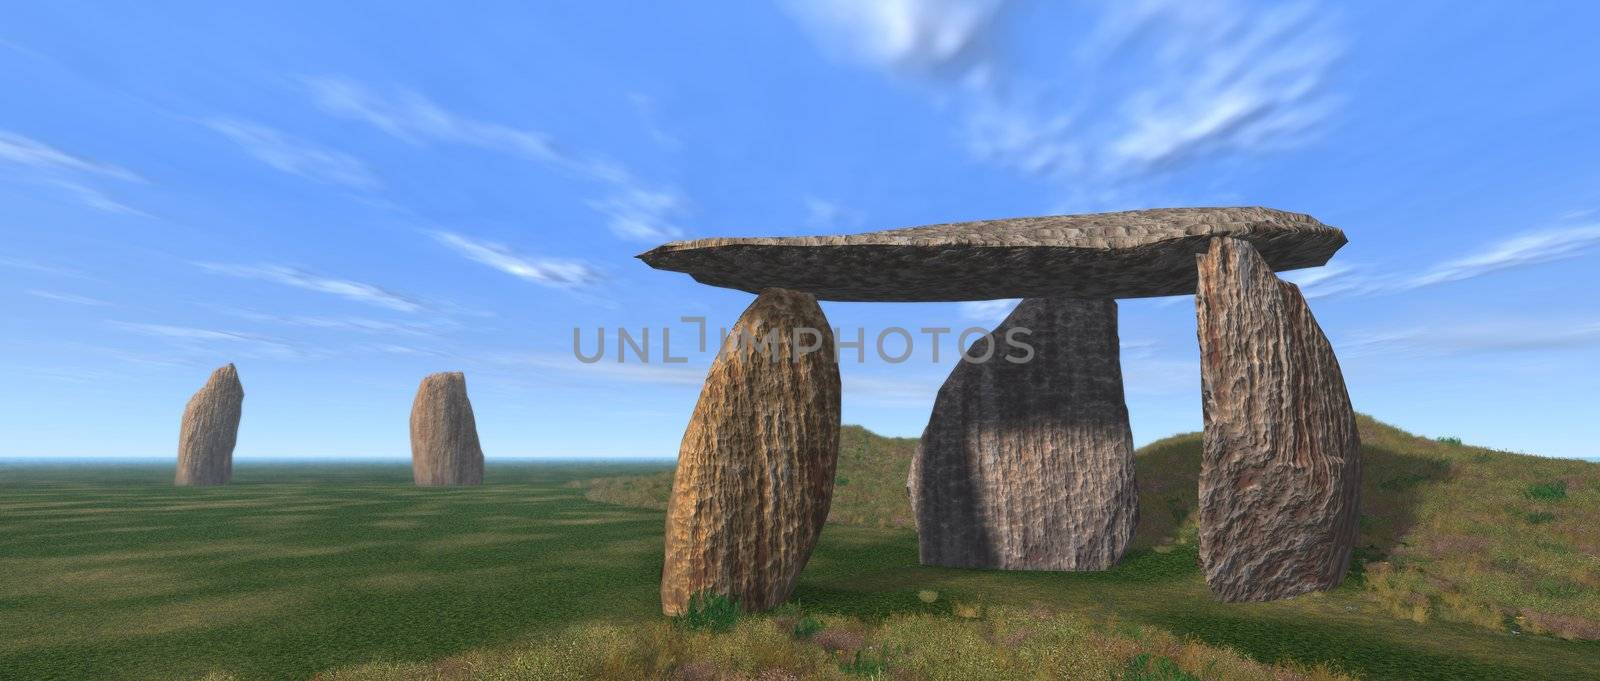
(831,216)
(1526,249)
(398,349)
(1328,280)
(635,209)
(928,38)
(1531,248)
(51,166)
(645,105)
(1153,86)
(988,311)
(427,328)
(610,370)
(96,199)
(295,156)
(194,336)
(1482,337)
(344,288)
(641,214)
(32,153)
(547,271)
(71,298)
(35,266)
(1227,79)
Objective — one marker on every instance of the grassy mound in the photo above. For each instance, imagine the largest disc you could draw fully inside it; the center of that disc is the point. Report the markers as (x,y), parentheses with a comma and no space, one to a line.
(1448,531)
(998,644)
(869,489)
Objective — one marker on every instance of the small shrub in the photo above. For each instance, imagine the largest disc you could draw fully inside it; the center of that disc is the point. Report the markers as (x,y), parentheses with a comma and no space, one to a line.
(1481,457)
(710,612)
(1147,667)
(807,626)
(1559,588)
(1178,507)
(867,665)
(1540,517)
(1449,440)
(1555,490)
(839,641)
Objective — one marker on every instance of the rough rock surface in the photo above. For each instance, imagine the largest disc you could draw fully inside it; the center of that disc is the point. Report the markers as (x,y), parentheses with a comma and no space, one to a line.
(1281,476)
(444,435)
(755,471)
(1029,466)
(209,430)
(1129,254)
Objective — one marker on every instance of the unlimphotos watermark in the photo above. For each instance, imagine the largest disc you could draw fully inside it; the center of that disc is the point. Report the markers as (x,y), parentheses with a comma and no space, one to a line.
(893,344)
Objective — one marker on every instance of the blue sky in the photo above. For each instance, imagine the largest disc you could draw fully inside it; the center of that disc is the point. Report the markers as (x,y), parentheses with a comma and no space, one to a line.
(341,200)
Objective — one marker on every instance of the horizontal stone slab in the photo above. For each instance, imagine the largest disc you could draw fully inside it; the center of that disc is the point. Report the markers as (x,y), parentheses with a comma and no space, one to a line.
(1131,254)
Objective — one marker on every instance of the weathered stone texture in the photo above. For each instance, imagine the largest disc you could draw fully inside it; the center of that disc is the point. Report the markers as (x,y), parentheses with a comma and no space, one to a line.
(755,470)
(209,430)
(444,434)
(1129,254)
(1029,466)
(1281,474)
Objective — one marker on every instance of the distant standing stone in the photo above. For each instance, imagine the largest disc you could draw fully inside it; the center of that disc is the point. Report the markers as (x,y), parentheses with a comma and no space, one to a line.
(1281,475)
(209,430)
(755,471)
(1029,465)
(444,435)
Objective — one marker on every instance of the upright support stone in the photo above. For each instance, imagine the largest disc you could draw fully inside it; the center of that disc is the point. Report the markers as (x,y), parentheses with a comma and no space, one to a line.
(444,435)
(755,471)
(209,430)
(1028,465)
(1281,475)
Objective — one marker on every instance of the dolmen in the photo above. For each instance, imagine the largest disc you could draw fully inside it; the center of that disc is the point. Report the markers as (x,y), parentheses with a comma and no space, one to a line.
(1027,461)
(209,430)
(444,434)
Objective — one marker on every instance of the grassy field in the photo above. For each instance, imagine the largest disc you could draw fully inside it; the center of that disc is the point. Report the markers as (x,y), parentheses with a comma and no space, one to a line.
(1449,531)
(110,573)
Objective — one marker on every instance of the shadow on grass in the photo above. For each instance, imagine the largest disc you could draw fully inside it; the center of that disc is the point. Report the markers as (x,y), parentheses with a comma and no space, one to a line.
(1169,475)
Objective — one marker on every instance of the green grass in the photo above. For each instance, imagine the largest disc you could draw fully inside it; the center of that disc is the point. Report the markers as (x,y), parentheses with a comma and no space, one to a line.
(1452,531)
(869,489)
(1004,645)
(1555,490)
(710,612)
(111,573)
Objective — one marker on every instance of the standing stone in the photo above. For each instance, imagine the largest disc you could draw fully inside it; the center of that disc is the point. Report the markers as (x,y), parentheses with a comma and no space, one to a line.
(209,430)
(755,471)
(1028,465)
(444,436)
(1281,476)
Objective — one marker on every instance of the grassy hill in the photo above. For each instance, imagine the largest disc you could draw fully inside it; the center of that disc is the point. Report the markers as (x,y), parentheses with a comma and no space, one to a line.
(869,488)
(1448,531)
